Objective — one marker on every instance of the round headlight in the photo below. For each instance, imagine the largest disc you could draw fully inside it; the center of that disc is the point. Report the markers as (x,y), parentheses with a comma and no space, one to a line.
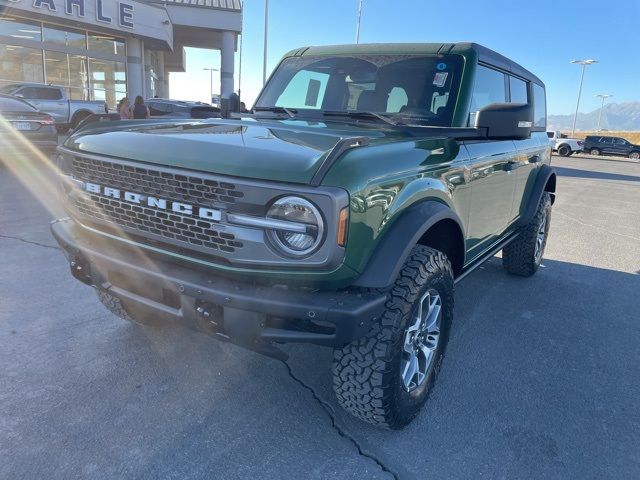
(299,227)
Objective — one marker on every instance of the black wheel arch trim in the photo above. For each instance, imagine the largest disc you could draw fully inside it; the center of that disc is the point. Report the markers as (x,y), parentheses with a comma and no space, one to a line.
(546,176)
(406,232)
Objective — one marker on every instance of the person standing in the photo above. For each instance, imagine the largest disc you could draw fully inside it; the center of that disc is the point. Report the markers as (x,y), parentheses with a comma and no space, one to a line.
(140,110)
(124,109)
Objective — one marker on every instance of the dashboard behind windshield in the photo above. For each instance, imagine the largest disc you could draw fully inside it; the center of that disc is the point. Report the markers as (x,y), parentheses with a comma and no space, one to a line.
(408,88)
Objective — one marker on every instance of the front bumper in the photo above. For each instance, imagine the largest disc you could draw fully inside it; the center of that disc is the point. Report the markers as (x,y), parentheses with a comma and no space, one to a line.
(243,312)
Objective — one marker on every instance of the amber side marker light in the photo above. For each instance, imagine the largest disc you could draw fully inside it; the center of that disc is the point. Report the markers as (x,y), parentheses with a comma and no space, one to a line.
(343,220)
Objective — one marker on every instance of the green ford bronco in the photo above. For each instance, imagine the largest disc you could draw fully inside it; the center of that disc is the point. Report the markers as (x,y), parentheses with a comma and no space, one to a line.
(366,181)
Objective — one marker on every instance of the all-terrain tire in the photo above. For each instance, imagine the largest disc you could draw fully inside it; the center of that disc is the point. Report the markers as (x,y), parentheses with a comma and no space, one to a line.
(367,378)
(114,305)
(523,255)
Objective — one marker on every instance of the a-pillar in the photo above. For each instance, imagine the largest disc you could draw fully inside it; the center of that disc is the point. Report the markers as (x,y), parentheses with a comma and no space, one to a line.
(227,60)
(135,68)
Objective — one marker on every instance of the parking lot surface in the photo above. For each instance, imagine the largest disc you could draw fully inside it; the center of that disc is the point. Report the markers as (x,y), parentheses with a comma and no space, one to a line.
(540,379)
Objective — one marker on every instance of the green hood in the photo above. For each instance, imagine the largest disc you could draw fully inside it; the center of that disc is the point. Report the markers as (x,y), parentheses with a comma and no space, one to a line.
(287,151)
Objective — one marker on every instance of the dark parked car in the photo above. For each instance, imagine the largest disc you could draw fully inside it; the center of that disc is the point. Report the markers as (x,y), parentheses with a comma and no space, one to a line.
(600,145)
(162,107)
(21,121)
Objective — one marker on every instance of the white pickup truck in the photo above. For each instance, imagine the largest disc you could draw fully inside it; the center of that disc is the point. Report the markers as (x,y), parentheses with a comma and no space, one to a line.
(563,145)
(53,100)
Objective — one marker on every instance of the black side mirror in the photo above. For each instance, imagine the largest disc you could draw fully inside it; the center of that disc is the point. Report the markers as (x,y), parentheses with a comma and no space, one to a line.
(506,121)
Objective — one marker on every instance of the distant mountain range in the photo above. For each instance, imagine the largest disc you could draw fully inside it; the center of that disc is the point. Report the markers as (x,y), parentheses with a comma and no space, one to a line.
(615,116)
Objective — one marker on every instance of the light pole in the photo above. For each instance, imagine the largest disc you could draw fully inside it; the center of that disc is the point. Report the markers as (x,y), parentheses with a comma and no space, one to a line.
(266,34)
(603,96)
(211,84)
(358,22)
(584,64)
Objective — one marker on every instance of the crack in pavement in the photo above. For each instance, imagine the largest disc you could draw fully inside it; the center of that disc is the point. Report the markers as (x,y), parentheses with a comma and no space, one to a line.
(568,217)
(30,242)
(329,411)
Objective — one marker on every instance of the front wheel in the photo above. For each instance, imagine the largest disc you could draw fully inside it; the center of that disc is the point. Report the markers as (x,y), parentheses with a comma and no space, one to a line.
(385,377)
(524,254)
(634,155)
(594,151)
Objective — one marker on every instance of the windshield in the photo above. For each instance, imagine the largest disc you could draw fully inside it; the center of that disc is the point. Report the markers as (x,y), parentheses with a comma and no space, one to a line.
(408,88)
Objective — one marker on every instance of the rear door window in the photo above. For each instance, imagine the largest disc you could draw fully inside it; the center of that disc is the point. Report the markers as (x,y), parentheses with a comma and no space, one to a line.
(47,93)
(489,87)
(518,89)
(156,108)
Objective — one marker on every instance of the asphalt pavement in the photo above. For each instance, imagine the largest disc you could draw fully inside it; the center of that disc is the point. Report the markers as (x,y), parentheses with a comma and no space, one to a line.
(541,378)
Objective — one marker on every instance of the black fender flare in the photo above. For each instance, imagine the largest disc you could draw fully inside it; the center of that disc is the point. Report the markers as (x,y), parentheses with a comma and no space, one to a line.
(546,174)
(393,249)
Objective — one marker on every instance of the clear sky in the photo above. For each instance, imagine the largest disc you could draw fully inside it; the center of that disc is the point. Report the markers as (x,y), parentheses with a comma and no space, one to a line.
(541,35)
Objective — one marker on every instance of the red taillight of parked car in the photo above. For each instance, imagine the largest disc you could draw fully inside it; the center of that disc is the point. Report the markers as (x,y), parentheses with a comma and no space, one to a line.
(46,120)
(580,143)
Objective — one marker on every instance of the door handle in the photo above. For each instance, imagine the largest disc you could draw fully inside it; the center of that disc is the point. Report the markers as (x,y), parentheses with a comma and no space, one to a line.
(534,159)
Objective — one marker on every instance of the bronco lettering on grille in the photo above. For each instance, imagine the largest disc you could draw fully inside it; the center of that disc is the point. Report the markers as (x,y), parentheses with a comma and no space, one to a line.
(155,202)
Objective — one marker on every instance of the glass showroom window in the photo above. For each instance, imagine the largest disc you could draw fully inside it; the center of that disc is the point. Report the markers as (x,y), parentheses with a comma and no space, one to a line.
(69,71)
(20,64)
(65,37)
(108,81)
(19,28)
(106,44)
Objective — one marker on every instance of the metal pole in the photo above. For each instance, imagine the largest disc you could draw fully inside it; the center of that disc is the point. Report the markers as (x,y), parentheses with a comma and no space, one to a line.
(358,23)
(240,73)
(266,33)
(211,86)
(575,117)
(600,114)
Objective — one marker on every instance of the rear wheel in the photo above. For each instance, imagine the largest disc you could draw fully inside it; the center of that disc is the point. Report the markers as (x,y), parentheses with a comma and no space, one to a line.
(115,306)
(594,151)
(78,118)
(385,377)
(564,150)
(524,254)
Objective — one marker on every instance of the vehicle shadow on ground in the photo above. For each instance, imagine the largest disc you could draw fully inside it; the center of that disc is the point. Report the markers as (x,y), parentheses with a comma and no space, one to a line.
(532,371)
(579,173)
(604,158)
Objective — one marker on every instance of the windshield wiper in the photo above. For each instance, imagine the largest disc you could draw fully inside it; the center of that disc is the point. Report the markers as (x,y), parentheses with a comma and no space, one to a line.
(356,114)
(287,111)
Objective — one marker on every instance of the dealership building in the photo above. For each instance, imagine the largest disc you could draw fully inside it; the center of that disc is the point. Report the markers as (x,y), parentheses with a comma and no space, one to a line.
(106,49)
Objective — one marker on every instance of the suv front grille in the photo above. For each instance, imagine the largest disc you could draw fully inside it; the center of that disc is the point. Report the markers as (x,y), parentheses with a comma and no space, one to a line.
(200,233)
(179,188)
(165,225)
